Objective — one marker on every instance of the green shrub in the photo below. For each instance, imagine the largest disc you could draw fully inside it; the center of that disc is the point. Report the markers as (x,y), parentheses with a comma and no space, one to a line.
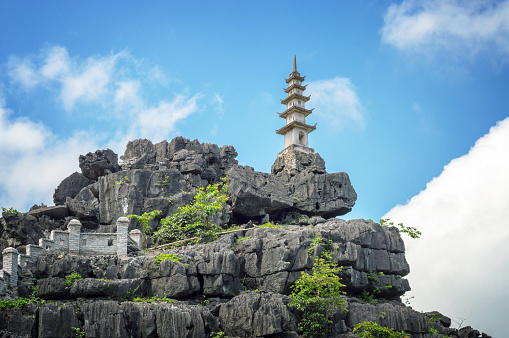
(144,218)
(78,332)
(410,231)
(373,330)
(269,225)
(72,278)
(219,334)
(194,220)
(21,301)
(166,257)
(318,296)
(11,210)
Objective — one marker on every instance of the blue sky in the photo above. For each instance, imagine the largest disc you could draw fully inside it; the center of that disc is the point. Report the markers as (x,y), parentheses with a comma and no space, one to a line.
(400,89)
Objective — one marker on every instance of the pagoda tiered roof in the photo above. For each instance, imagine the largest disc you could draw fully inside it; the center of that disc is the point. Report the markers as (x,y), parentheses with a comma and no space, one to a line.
(295,76)
(294,124)
(293,85)
(295,96)
(295,109)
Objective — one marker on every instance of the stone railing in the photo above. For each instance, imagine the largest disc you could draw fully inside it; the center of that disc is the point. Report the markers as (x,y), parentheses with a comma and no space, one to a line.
(71,241)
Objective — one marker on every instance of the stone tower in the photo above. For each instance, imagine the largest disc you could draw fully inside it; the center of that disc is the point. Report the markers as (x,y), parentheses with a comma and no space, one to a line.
(296,130)
(296,155)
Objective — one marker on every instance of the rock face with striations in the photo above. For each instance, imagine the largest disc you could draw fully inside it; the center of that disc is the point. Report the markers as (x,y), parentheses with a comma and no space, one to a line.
(245,284)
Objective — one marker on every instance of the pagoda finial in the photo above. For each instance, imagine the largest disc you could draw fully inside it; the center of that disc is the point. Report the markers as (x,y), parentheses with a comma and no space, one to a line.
(294,63)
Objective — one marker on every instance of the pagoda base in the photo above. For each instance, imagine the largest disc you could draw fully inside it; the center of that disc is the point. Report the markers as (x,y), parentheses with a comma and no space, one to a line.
(296,158)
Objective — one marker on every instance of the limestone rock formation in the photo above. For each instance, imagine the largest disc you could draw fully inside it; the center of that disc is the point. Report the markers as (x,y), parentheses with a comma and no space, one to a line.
(245,284)
(70,187)
(100,163)
(255,194)
(238,284)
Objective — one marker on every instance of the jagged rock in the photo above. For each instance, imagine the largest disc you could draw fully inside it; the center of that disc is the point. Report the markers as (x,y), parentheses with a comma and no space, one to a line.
(70,187)
(254,194)
(139,153)
(19,322)
(18,230)
(52,288)
(257,315)
(55,212)
(85,205)
(100,163)
(293,161)
(391,314)
(270,259)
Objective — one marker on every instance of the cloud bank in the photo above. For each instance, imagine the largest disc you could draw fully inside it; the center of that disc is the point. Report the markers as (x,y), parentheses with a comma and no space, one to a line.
(466,26)
(336,101)
(114,90)
(459,265)
(34,161)
(115,84)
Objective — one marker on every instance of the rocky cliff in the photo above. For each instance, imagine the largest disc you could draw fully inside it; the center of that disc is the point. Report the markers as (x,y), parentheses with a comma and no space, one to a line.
(238,284)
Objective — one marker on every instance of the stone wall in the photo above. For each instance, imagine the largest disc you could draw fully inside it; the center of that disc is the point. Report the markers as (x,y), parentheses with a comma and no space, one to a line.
(71,241)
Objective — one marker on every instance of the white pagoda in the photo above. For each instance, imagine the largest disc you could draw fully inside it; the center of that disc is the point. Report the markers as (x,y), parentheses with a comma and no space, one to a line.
(296,130)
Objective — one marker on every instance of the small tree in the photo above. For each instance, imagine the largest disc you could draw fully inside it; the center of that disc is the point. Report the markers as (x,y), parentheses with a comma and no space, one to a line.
(194,219)
(318,296)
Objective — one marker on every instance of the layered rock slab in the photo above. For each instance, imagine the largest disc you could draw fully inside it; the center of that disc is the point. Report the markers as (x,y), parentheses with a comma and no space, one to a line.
(255,194)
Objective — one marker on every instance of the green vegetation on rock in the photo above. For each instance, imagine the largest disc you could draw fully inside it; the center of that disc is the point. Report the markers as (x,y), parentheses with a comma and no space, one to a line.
(318,297)
(195,219)
(72,278)
(373,330)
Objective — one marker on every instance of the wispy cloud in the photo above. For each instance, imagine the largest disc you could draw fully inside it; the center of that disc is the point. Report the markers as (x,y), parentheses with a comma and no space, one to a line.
(336,101)
(458,263)
(467,27)
(156,122)
(117,87)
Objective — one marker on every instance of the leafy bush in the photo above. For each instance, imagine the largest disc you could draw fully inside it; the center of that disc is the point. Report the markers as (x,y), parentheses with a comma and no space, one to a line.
(318,296)
(410,231)
(78,332)
(72,278)
(373,330)
(144,218)
(194,220)
(219,334)
(11,210)
(21,301)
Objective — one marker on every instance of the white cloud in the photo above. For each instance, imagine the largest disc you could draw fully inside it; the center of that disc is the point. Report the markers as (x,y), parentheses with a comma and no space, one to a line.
(459,265)
(426,26)
(86,80)
(23,72)
(33,161)
(156,123)
(56,63)
(218,102)
(336,101)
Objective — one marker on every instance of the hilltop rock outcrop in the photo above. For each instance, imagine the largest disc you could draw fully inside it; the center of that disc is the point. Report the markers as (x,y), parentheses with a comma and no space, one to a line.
(255,194)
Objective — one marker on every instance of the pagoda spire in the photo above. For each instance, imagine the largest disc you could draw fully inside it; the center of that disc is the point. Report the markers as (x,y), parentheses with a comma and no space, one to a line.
(296,130)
